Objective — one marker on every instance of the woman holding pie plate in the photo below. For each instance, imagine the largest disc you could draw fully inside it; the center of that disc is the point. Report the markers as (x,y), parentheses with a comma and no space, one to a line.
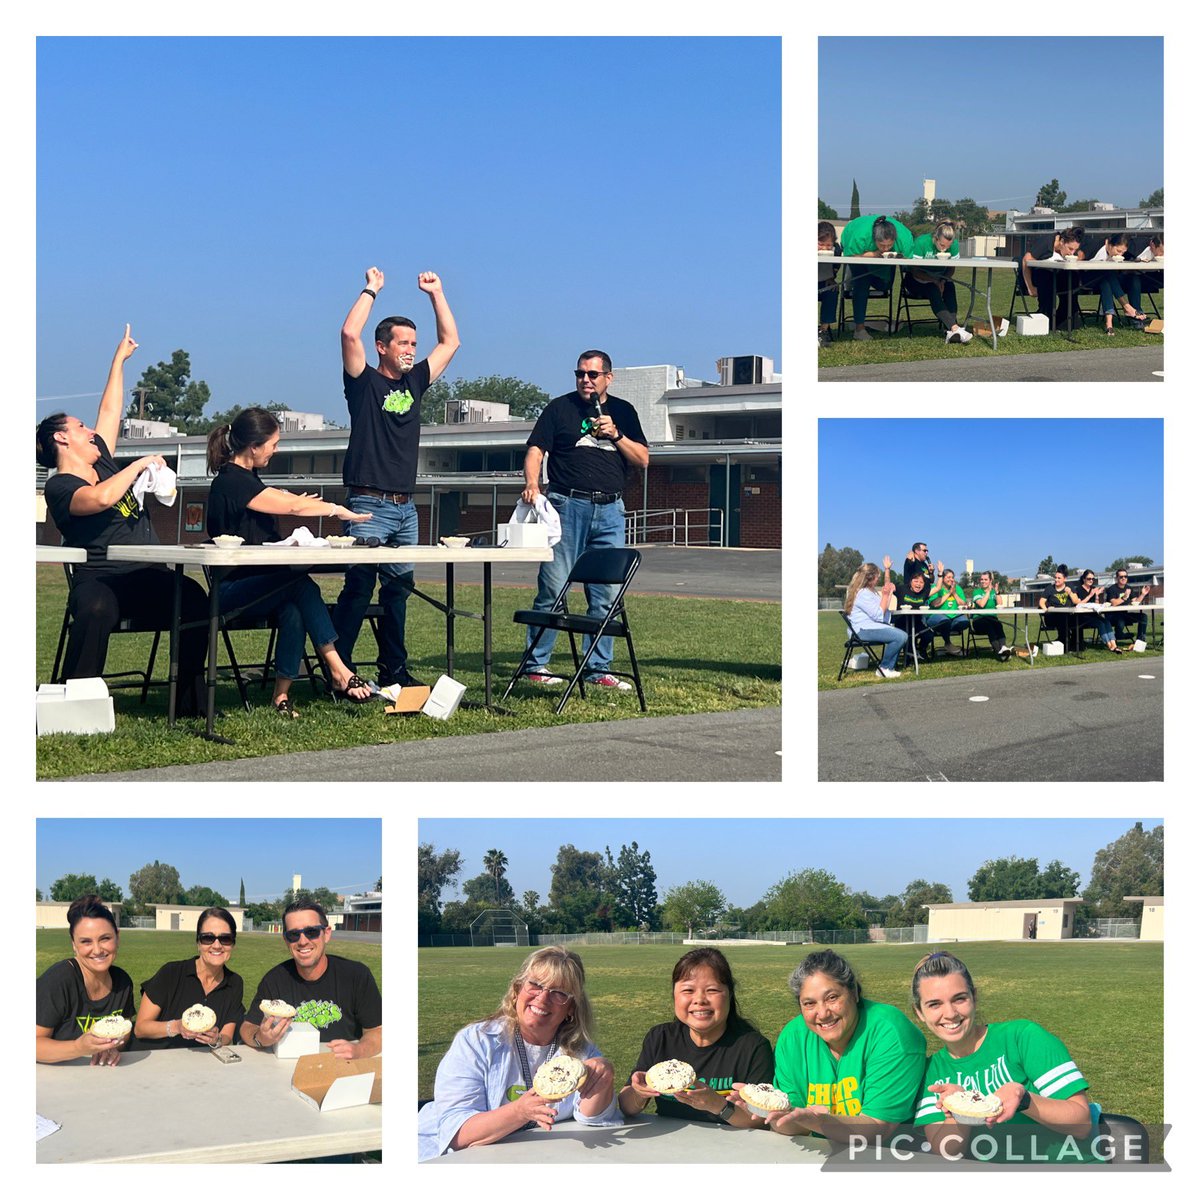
(78,994)
(484,1089)
(711,1037)
(165,1017)
(990,1073)
(849,1065)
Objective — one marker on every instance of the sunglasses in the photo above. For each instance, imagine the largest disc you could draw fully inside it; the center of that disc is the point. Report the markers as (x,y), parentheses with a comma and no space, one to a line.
(593,375)
(312,932)
(207,939)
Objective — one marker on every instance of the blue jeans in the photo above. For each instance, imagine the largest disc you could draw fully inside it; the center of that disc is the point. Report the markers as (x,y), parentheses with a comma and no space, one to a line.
(945,624)
(862,279)
(585,526)
(827,296)
(394,525)
(1119,624)
(887,635)
(297,604)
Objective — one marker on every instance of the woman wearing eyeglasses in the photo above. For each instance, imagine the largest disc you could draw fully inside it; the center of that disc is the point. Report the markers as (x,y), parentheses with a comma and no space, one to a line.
(75,993)
(178,986)
(484,1086)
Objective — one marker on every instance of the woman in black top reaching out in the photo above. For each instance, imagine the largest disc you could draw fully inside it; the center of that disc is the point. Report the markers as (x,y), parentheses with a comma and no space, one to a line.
(239,503)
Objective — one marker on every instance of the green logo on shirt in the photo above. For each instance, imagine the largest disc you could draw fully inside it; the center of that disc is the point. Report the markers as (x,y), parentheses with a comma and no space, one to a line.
(320,1013)
(398,402)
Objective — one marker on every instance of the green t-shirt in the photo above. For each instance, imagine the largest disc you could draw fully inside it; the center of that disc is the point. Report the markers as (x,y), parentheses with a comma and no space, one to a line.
(1012,1052)
(858,238)
(923,247)
(956,598)
(978,592)
(878,1075)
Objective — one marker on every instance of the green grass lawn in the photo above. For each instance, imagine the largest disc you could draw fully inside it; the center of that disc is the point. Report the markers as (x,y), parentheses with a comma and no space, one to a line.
(1079,990)
(688,661)
(831,645)
(929,341)
(143,951)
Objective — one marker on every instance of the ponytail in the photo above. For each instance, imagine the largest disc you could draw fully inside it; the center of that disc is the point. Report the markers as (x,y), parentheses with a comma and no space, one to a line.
(251,427)
(219,449)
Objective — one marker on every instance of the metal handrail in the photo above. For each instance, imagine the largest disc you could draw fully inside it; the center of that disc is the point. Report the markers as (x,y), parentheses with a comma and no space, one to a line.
(641,523)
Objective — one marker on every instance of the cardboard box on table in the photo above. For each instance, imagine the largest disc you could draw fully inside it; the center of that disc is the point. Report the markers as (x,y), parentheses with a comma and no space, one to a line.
(328,1083)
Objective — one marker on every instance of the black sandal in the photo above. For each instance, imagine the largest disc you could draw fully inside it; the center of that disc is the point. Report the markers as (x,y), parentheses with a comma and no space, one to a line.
(285,708)
(344,693)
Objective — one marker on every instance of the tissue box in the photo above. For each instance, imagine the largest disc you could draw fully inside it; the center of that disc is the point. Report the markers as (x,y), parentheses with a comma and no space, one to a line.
(1033,324)
(301,1038)
(525,533)
(77,706)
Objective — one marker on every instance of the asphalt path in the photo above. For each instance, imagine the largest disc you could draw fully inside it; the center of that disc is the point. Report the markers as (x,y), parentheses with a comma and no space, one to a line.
(735,574)
(1090,723)
(741,746)
(1135,364)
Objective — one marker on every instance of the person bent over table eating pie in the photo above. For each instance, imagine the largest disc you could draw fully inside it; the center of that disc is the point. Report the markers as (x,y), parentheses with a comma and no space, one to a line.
(849,1065)
(178,986)
(484,1086)
(711,1036)
(77,992)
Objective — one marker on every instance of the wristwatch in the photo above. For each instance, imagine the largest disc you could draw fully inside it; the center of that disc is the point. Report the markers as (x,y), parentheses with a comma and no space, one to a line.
(619,436)
(727,1112)
(1026,1100)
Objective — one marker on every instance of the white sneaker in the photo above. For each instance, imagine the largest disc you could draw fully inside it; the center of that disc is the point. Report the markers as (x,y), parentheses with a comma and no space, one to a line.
(1004,653)
(885,673)
(952,336)
(965,335)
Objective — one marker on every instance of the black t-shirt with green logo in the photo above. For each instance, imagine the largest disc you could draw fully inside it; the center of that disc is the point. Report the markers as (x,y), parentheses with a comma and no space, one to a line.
(1058,599)
(385,428)
(576,460)
(740,1055)
(64,1005)
(341,1004)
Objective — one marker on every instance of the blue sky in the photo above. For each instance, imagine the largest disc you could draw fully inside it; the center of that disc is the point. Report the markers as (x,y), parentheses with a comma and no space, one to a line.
(226,195)
(985,118)
(744,856)
(1003,492)
(344,855)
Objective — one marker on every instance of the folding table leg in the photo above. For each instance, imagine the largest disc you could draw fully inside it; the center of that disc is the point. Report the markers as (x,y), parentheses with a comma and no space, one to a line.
(173,653)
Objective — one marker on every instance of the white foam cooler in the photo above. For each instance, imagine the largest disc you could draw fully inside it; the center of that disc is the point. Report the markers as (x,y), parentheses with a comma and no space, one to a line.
(77,706)
(1033,324)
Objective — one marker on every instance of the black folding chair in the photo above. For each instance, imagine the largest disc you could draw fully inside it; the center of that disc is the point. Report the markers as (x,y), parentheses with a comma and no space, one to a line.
(614,566)
(138,679)
(879,290)
(1130,1138)
(853,641)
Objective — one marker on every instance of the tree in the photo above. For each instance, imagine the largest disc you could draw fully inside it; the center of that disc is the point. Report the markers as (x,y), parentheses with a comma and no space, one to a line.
(1009,878)
(321,895)
(172,396)
(525,400)
(71,887)
(494,863)
(108,891)
(1047,565)
(825,212)
(208,424)
(1154,200)
(38,892)
(204,896)
(1056,882)
(1079,205)
(1130,866)
(854,210)
(575,871)
(488,891)
(242,894)
(910,907)
(1122,564)
(434,872)
(1050,195)
(695,904)
(835,568)
(632,884)
(379,884)
(812,899)
(264,912)
(529,901)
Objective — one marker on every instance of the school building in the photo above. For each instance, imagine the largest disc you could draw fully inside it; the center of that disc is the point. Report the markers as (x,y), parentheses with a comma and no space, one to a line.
(1003,920)
(714,479)
(1153,911)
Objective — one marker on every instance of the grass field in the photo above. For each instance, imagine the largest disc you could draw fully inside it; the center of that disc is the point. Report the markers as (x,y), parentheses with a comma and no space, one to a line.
(1082,991)
(689,664)
(929,341)
(143,951)
(831,646)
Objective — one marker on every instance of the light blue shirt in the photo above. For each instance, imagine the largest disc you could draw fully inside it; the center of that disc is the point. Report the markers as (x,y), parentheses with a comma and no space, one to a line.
(475,1077)
(867,611)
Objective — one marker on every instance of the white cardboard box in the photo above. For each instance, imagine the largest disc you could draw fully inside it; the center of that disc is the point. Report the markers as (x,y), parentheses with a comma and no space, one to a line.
(1033,324)
(77,706)
(522,533)
(301,1038)
(329,1083)
(444,699)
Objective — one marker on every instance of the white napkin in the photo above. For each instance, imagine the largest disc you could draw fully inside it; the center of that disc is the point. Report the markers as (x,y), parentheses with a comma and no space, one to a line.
(158,481)
(541,511)
(301,536)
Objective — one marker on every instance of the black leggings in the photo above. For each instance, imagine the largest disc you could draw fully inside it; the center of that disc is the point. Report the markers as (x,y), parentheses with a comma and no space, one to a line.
(99,600)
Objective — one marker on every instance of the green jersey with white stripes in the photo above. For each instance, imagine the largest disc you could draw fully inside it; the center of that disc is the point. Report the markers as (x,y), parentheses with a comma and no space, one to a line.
(1011,1052)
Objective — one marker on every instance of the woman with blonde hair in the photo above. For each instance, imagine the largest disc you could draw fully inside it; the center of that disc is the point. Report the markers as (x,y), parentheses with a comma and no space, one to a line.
(867,611)
(484,1086)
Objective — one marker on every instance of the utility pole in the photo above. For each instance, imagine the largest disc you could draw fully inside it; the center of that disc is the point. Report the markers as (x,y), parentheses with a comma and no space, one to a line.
(140,392)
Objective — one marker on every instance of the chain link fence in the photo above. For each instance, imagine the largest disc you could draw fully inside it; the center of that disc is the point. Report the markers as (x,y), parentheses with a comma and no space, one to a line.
(1108,927)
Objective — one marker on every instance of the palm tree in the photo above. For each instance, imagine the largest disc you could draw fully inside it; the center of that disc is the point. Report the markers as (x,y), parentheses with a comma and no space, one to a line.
(494,862)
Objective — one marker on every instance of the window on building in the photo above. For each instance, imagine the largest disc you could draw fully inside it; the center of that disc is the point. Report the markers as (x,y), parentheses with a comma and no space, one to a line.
(692,473)
(470,460)
(691,433)
(324,464)
(500,460)
(762,473)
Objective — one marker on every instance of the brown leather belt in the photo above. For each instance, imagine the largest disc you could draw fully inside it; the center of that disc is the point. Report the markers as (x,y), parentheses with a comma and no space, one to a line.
(394,497)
